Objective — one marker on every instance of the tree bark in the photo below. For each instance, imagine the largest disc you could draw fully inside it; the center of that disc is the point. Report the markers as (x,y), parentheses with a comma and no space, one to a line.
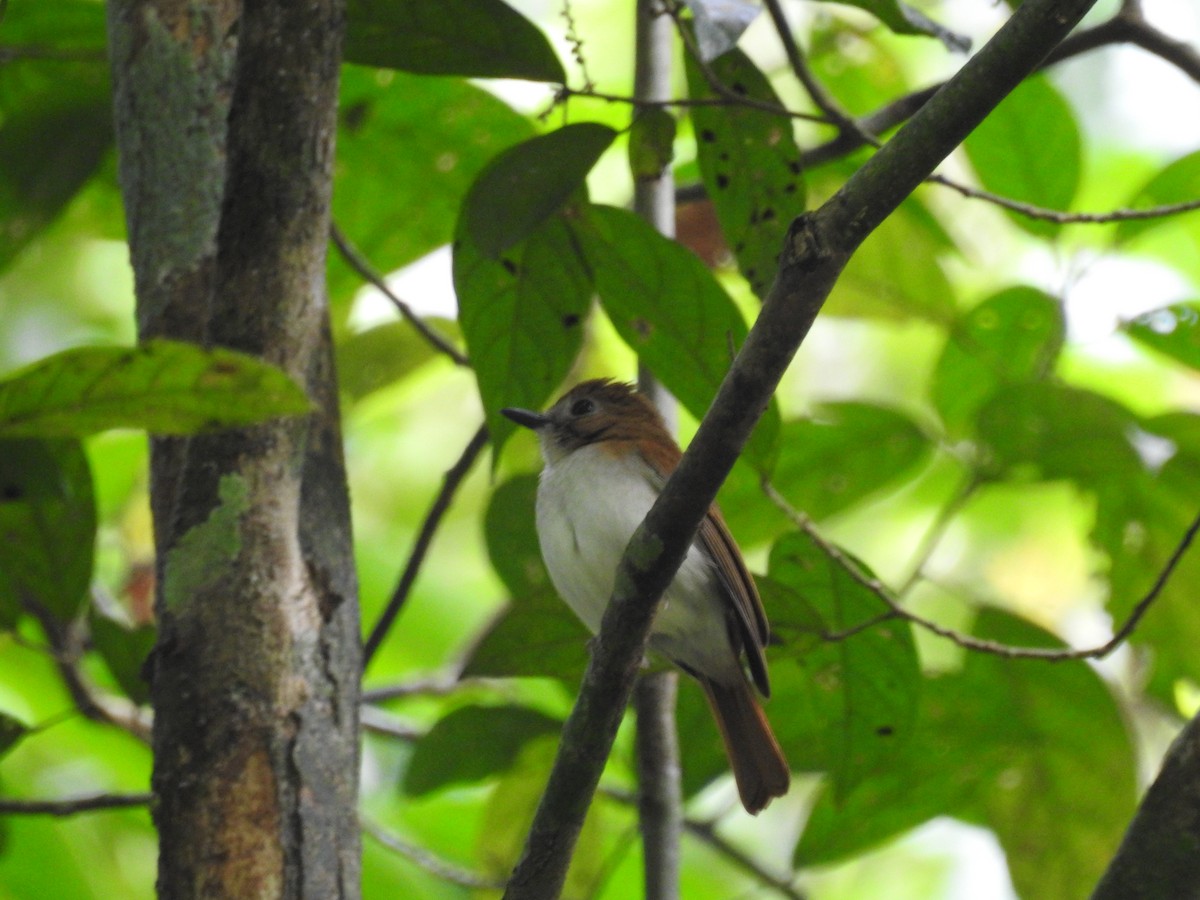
(1160,854)
(225,120)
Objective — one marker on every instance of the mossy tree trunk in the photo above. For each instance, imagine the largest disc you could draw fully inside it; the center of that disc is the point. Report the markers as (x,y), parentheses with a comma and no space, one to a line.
(225,117)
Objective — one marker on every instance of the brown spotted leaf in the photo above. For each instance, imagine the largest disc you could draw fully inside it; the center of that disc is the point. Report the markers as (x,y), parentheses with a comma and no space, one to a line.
(750,164)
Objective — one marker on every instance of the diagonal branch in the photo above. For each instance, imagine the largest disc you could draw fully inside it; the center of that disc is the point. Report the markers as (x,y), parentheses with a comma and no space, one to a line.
(817,248)
(368,273)
(433,519)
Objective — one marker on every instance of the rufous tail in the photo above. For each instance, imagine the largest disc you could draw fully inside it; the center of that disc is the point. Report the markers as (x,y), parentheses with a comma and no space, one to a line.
(759,767)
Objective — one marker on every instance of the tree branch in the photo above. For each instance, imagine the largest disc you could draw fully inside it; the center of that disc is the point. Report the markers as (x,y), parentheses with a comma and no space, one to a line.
(429,527)
(1160,853)
(369,274)
(70,806)
(969,642)
(817,247)
(427,861)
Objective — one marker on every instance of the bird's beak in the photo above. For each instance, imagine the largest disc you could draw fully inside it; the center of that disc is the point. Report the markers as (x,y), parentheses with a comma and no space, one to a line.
(527,417)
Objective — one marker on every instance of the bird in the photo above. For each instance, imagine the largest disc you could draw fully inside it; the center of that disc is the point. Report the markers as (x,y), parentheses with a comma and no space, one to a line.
(606,455)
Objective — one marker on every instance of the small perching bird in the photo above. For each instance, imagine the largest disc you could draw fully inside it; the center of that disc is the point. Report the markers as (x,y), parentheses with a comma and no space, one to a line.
(607,456)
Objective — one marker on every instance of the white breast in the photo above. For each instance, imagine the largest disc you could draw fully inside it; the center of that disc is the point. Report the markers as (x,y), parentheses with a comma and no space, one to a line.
(589,504)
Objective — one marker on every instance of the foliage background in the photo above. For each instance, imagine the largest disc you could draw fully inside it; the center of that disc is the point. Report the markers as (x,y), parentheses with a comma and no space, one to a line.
(978,417)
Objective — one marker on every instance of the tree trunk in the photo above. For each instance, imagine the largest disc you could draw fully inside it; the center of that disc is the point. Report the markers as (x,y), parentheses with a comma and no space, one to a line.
(225,121)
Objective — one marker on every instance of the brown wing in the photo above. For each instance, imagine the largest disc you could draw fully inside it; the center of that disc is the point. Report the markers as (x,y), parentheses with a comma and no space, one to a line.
(739,586)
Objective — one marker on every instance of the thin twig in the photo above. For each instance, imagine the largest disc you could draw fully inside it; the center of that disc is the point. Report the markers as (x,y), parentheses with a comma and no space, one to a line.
(816,91)
(66,648)
(441,503)
(1066,218)
(706,831)
(970,642)
(368,273)
(427,861)
(70,806)
(379,722)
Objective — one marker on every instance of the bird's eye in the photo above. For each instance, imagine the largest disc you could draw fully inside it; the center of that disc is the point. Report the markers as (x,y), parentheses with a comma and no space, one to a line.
(582,407)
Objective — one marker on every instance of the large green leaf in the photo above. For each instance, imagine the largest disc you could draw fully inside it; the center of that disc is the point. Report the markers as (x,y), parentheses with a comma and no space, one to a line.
(472,743)
(474,38)
(895,274)
(1029,149)
(850,703)
(1052,431)
(1016,745)
(1140,521)
(47,527)
(167,387)
(526,184)
(1173,331)
(1055,733)
(751,166)
(522,317)
(537,636)
(380,356)
(844,454)
(511,535)
(668,307)
(1012,336)
(396,210)
(55,130)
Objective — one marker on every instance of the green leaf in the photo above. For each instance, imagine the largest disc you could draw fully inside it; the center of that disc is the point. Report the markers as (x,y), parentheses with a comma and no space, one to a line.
(1140,521)
(1034,115)
(537,636)
(473,38)
(1176,183)
(1015,745)
(449,130)
(844,454)
(904,19)
(522,317)
(895,274)
(383,355)
(1052,431)
(850,703)
(522,187)
(473,743)
(1054,732)
(124,650)
(511,535)
(47,527)
(651,143)
(509,813)
(1012,336)
(750,164)
(668,307)
(75,25)
(167,387)
(1173,331)
(55,130)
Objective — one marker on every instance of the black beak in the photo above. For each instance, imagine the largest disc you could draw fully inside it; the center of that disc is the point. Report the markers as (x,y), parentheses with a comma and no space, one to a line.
(526,417)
